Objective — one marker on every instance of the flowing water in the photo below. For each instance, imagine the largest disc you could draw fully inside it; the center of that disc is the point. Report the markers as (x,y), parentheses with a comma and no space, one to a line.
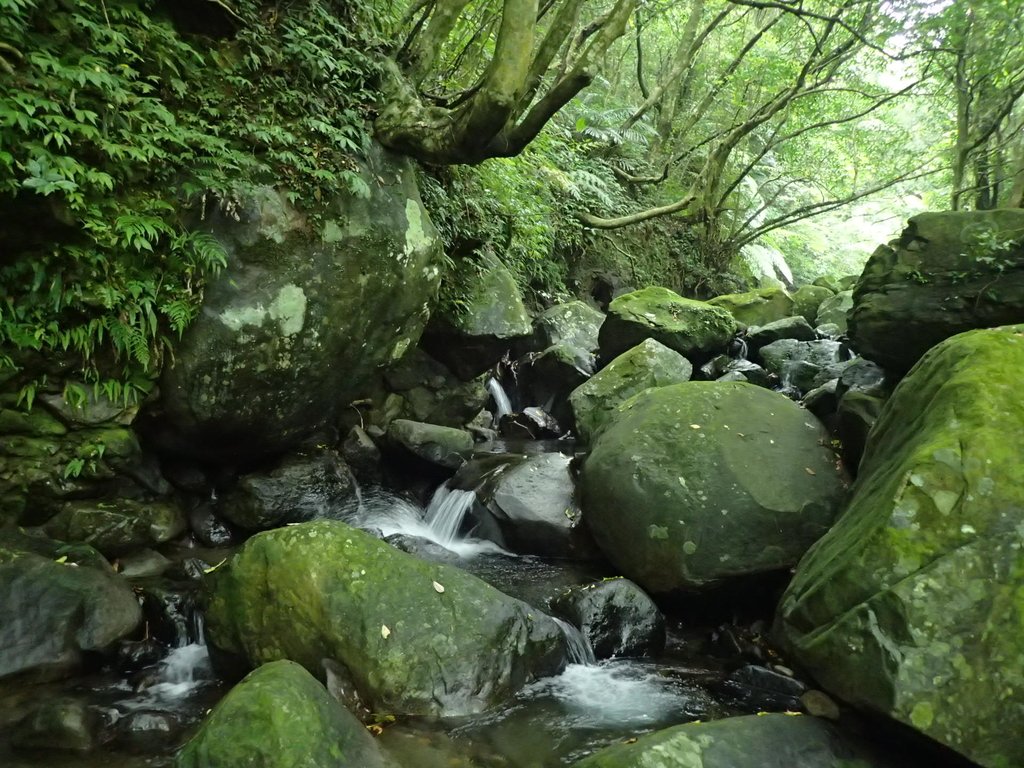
(502,404)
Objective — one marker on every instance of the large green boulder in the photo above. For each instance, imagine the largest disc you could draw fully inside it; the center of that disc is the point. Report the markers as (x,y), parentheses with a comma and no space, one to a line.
(279,716)
(765,741)
(310,307)
(695,483)
(807,299)
(58,603)
(835,311)
(912,605)
(574,323)
(692,328)
(759,307)
(489,320)
(947,273)
(117,526)
(417,638)
(445,446)
(648,364)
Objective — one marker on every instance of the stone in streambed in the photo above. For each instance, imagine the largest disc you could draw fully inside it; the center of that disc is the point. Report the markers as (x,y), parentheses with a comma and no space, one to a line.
(417,637)
(648,364)
(911,605)
(281,717)
(615,616)
(692,328)
(768,741)
(303,486)
(117,526)
(699,482)
(58,602)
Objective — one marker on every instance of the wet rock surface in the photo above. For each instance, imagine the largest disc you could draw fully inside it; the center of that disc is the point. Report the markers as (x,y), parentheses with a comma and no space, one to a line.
(616,617)
(919,575)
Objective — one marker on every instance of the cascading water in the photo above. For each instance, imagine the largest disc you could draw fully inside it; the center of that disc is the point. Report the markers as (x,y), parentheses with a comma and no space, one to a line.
(502,404)
(577,648)
(446,513)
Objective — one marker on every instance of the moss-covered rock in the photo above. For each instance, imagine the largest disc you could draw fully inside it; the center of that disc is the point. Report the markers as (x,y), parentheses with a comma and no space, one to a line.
(807,299)
(279,716)
(767,741)
(433,394)
(444,446)
(491,320)
(834,310)
(698,482)
(947,273)
(692,328)
(616,617)
(759,307)
(912,605)
(574,323)
(57,602)
(309,308)
(416,637)
(648,364)
(117,526)
(795,327)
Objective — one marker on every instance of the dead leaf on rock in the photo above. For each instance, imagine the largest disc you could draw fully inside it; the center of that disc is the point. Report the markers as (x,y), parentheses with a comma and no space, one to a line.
(384,631)
(438,587)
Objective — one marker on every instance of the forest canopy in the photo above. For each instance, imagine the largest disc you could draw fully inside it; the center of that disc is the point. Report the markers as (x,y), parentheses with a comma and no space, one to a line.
(718,129)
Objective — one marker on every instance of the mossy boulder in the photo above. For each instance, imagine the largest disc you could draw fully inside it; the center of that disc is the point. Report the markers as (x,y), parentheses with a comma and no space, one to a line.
(445,446)
(308,310)
(835,309)
(765,741)
(912,604)
(616,617)
(692,328)
(696,483)
(279,716)
(807,299)
(947,273)
(58,602)
(648,364)
(573,323)
(795,327)
(760,307)
(490,321)
(117,526)
(417,638)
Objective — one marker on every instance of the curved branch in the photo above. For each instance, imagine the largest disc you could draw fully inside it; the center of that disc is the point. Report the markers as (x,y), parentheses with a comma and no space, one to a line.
(597,222)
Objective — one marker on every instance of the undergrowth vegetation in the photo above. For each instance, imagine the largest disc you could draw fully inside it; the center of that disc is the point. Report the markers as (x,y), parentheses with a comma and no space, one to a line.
(116,127)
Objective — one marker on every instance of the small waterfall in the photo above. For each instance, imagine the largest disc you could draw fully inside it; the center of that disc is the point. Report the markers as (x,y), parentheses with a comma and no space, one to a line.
(576,645)
(741,349)
(502,405)
(446,512)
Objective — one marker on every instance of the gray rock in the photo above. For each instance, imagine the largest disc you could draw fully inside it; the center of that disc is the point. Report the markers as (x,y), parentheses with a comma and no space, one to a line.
(307,311)
(56,603)
(63,724)
(696,483)
(863,376)
(856,415)
(534,505)
(433,394)
(834,310)
(768,741)
(947,273)
(118,526)
(804,364)
(574,323)
(795,327)
(302,487)
(444,446)
(281,716)
(617,618)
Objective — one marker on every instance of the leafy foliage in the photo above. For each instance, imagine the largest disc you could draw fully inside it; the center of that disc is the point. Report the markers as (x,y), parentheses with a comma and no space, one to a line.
(115,128)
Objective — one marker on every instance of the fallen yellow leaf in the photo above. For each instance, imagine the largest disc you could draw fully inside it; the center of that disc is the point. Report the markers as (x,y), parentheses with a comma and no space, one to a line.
(384,631)
(438,587)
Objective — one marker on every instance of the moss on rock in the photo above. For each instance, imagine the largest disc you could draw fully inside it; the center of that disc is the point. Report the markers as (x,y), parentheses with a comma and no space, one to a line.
(417,637)
(690,327)
(912,605)
(694,483)
(279,716)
